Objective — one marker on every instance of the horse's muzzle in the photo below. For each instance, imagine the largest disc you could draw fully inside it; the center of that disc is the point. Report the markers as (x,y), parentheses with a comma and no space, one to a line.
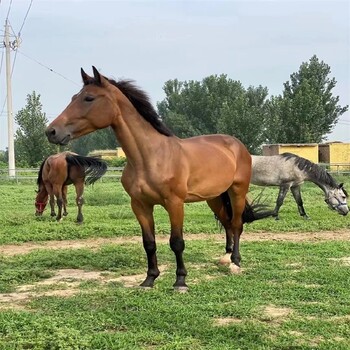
(56,137)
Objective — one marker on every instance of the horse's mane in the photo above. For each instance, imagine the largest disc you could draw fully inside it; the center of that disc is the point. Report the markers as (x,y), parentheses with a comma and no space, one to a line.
(94,168)
(40,174)
(141,101)
(314,171)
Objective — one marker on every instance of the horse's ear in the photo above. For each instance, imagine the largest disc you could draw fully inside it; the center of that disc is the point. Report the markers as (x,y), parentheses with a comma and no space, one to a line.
(97,75)
(99,79)
(84,76)
(340,185)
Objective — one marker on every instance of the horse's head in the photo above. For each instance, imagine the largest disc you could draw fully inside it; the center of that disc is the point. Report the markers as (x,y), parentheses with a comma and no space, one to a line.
(89,110)
(40,201)
(336,200)
(40,207)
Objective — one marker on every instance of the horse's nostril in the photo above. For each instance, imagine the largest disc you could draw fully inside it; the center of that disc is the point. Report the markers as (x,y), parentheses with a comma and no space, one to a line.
(50,132)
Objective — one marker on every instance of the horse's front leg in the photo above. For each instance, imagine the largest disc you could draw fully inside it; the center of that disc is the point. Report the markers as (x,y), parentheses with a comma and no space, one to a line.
(79,188)
(57,190)
(52,204)
(64,195)
(49,190)
(175,210)
(297,196)
(144,215)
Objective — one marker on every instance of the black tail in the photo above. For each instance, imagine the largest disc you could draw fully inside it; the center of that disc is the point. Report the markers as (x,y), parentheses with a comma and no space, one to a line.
(252,211)
(94,168)
(40,173)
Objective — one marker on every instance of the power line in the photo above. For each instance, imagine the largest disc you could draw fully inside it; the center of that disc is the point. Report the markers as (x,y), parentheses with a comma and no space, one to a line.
(48,68)
(8,12)
(25,17)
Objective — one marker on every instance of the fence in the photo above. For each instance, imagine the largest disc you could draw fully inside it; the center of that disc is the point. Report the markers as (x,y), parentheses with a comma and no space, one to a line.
(32,174)
(116,172)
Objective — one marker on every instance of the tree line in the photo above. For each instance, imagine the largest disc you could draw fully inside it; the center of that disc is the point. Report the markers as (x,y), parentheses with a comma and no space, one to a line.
(305,112)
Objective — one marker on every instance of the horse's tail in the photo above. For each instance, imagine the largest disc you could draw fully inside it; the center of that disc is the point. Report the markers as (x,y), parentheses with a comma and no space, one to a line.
(94,168)
(40,173)
(252,211)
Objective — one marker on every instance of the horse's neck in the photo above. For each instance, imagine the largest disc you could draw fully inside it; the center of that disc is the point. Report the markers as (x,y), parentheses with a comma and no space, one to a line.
(324,187)
(137,137)
(42,194)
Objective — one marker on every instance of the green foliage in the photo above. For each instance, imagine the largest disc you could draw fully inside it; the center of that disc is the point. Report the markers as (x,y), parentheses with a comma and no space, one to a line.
(307,111)
(31,144)
(100,139)
(217,104)
(116,162)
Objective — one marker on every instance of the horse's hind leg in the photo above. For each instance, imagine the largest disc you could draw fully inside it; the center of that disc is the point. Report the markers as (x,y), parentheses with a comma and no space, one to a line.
(238,204)
(218,208)
(281,195)
(79,188)
(144,215)
(297,196)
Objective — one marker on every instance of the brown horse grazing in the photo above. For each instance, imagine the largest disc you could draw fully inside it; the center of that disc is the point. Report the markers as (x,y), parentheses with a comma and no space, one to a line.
(161,168)
(63,169)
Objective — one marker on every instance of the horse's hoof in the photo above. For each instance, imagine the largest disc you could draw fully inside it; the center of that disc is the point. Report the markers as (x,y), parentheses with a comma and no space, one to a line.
(306,217)
(234,269)
(147,283)
(181,289)
(225,260)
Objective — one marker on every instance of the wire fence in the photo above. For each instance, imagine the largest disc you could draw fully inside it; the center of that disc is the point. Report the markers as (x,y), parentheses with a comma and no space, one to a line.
(116,172)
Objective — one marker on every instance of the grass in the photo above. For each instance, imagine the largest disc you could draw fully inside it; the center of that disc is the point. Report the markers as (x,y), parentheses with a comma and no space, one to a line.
(291,295)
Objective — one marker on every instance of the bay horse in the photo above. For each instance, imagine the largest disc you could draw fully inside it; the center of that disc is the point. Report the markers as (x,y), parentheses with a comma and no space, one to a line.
(60,170)
(161,168)
(289,171)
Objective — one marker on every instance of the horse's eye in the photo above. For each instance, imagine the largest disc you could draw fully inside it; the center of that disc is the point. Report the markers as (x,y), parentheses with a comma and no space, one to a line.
(89,98)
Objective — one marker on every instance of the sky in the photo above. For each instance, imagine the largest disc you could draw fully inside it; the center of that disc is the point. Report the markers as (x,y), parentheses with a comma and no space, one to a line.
(256,42)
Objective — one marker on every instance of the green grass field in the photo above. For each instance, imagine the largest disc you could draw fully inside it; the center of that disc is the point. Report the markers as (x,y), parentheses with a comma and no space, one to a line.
(290,294)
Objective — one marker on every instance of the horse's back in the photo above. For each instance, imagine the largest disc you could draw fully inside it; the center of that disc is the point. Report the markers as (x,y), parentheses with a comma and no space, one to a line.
(274,171)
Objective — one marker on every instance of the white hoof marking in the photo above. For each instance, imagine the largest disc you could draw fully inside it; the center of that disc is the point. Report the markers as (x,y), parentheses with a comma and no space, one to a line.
(226,259)
(234,269)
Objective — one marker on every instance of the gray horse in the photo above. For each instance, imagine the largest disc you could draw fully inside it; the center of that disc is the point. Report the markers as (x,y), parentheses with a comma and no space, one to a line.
(289,171)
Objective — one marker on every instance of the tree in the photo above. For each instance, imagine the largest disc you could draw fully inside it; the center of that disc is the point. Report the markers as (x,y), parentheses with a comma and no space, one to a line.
(31,144)
(217,104)
(307,111)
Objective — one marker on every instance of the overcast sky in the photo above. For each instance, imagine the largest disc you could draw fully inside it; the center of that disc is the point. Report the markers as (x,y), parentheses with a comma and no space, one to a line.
(256,42)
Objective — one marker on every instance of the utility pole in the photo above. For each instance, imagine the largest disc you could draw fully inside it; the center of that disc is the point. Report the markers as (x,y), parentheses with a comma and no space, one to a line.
(10,123)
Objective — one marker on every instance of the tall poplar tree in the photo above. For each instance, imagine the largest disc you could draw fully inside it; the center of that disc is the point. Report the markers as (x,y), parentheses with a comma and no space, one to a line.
(31,144)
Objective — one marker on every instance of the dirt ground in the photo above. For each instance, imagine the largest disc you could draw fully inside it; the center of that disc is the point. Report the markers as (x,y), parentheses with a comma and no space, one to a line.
(95,243)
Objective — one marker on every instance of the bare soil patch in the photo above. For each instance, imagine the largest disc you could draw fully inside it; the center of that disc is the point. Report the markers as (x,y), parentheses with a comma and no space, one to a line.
(274,312)
(95,243)
(226,321)
(66,283)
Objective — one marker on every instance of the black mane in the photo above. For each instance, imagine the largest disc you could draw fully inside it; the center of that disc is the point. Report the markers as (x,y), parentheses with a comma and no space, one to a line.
(140,100)
(314,171)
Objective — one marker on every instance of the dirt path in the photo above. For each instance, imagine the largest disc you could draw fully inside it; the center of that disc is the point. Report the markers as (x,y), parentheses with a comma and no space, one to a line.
(95,243)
